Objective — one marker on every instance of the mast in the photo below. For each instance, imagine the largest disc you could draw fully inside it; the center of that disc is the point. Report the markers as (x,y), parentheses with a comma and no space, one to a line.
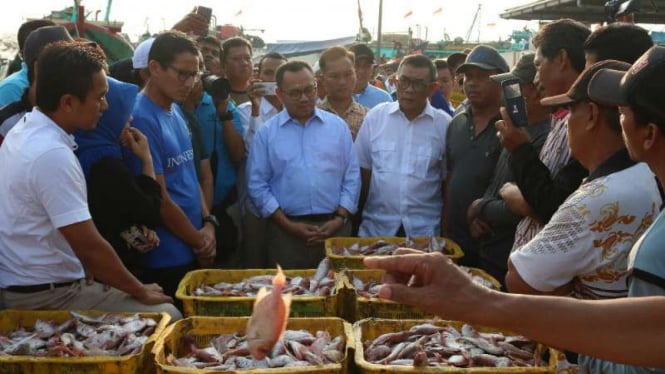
(378,37)
(108,10)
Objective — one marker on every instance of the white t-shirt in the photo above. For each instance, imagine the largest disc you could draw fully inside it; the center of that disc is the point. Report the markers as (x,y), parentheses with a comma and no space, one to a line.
(407,160)
(42,188)
(590,236)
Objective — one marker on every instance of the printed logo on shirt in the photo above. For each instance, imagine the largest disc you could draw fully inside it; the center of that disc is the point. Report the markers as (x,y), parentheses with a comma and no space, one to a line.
(176,161)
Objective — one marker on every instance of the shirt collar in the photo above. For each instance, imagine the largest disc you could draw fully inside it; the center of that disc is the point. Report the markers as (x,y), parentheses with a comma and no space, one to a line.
(68,139)
(354,107)
(284,117)
(428,111)
(617,162)
(560,114)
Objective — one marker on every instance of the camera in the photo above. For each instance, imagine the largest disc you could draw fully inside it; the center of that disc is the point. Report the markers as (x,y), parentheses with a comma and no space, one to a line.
(217,87)
(514,101)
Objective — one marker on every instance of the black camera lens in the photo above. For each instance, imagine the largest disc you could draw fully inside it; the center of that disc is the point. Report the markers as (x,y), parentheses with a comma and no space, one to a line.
(218,87)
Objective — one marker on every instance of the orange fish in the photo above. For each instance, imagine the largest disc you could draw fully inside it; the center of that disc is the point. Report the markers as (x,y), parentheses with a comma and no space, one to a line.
(269,317)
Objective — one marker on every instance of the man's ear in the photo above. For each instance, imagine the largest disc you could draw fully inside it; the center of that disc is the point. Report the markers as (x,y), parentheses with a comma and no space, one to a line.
(651,134)
(67,102)
(594,115)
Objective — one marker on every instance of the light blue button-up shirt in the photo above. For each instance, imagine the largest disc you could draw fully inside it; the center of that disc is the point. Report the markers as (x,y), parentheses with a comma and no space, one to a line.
(310,169)
(12,87)
(372,96)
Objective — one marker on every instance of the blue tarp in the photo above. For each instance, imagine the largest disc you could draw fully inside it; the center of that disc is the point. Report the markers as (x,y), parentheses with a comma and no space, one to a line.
(298,48)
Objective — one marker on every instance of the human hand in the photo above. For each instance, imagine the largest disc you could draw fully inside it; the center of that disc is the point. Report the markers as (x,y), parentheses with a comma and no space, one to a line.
(479,228)
(192,23)
(326,230)
(134,139)
(303,231)
(429,281)
(471,212)
(511,137)
(151,239)
(255,92)
(221,105)
(152,294)
(514,199)
(208,248)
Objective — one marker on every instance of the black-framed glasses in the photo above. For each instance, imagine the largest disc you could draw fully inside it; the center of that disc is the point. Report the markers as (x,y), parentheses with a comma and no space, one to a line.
(418,84)
(184,75)
(308,91)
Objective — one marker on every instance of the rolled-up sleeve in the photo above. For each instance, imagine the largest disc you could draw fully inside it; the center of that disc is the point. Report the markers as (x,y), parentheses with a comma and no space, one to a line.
(259,173)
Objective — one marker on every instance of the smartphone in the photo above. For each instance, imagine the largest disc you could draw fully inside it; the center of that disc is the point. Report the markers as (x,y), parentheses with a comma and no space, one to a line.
(204,11)
(515,105)
(268,88)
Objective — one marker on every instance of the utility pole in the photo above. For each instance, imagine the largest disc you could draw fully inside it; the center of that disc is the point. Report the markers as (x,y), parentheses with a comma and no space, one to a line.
(378,37)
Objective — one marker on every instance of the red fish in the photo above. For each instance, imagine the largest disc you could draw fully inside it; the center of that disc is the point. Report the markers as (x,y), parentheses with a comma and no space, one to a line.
(269,317)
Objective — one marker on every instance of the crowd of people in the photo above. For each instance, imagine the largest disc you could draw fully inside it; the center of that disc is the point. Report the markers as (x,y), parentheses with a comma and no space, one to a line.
(118,180)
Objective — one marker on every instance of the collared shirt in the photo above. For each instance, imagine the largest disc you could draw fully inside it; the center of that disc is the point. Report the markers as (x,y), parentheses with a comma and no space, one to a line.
(213,141)
(471,159)
(372,96)
(353,115)
(12,87)
(588,239)
(407,160)
(554,154)
(310,169)
(43,189)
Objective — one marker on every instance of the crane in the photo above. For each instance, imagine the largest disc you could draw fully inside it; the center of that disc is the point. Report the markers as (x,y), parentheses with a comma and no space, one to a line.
(476,20)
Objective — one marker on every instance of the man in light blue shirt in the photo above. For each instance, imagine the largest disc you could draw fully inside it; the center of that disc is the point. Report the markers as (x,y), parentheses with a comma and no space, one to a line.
(366,94)
(12,87)
(303,173)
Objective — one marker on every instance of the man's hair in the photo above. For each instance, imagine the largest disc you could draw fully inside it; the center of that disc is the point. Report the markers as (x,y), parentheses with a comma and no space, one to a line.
(65,68)
(443,64)
(565,34)
(618,41)
(293,67)
(650,91)
(210,40)
(233,43)
(335,53)
(420,61)
(168,45)
(272,55)
(29,27)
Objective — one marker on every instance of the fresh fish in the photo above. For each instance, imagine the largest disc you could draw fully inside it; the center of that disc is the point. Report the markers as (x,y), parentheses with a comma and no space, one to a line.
(269,317)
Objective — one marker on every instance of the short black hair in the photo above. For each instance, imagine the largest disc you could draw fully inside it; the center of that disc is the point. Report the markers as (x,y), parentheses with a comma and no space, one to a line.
(650,91)
(233,43)
(618,41)
(565,34)
(272,55)
(65,68)
(420,61)
(293,67)
(334,53)
(210,40)
(29,27)
(168,45)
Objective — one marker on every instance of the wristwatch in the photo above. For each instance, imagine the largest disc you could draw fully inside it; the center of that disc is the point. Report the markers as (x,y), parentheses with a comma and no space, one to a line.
(226,116)
(211,219)
(344,217)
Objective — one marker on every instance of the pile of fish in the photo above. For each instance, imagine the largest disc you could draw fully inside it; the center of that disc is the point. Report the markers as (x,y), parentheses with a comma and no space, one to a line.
(440,346)
(231,352)
(382,248)
(322,283)
(106,335)
(371,288)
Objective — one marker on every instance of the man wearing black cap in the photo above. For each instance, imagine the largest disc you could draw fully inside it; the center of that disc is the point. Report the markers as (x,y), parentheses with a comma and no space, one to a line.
(638,93)
(582,250)
(472,148)
(495,245)
(34,43)
(366,94)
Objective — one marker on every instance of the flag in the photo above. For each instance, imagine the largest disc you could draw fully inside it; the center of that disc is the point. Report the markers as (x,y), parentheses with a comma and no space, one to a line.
(360,14)
(408,14)
(438,11)
(239,13)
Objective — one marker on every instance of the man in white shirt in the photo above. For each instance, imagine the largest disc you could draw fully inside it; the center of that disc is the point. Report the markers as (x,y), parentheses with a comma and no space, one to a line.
(400,149)
(48,241)
(263,105)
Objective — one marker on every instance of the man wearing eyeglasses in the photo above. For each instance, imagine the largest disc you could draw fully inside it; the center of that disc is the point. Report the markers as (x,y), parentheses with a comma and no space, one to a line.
(188,231)
(401,151)
(473,148)
(302,173)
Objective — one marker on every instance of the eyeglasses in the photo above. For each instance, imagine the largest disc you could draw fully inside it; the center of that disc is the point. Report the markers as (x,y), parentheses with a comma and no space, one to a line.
(184,75)
(308,91)
(418,84)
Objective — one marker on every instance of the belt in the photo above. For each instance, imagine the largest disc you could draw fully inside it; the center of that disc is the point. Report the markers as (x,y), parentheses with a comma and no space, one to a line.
(314,217)
(39,287)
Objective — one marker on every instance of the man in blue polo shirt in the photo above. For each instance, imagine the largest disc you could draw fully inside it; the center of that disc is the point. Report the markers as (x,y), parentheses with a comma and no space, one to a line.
(366,94)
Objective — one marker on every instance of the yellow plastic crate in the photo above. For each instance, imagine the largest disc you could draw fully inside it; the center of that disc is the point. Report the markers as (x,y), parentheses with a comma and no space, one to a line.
(334,247)
(369,329)
(238,306)
(207,328)
(355,307)
(142,362)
